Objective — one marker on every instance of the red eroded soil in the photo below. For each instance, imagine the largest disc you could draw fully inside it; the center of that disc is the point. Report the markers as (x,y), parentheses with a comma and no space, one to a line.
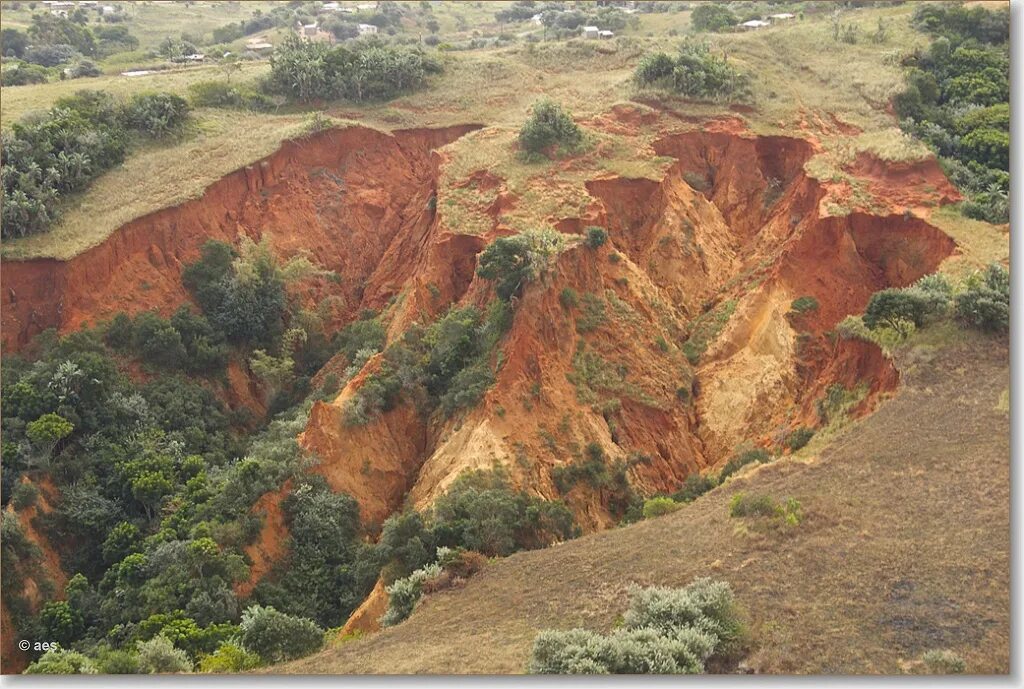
(916,186)
(355,200)
(50,572)
(734,220)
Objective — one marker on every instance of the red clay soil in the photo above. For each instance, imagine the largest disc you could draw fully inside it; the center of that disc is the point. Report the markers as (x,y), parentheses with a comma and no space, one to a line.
(918,185)
(734,218)
(13,659)
(354,199)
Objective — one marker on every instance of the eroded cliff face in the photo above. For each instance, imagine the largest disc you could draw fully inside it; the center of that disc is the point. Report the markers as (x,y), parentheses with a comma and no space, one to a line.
(734,222)
(735,219)
(356,200)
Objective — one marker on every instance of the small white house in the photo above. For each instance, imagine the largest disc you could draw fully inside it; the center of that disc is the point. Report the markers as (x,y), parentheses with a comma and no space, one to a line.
(606,34)
(755,24)
(109,9)
(367,29)
(591,32)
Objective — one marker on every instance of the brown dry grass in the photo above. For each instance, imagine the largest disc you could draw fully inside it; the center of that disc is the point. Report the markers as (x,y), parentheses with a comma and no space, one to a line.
(804,83)
(904,548)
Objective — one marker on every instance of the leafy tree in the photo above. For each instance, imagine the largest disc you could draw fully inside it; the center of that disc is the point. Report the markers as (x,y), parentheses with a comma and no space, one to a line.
(895,308)
(13,43)
(712,16)
(481,512)
(549,129)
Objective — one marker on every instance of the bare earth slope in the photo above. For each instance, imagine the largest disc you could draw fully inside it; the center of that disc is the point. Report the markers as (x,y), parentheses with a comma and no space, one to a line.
(904,548)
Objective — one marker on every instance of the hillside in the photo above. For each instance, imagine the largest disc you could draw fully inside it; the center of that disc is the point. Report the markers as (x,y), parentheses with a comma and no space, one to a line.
(904,548)
(287,328)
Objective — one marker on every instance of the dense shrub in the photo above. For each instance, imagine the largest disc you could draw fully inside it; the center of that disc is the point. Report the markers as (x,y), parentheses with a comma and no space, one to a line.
(23,74)
(658,506)
(896,308)
(665,631)
(229,658)
(710,16)
(985,303)
(549,130)
(596,237)
(481,512)
(156,114)
(957,101)
(365,72)
(798,438)
(789,513)
(513,261)
(159,656)
(62,662)
(694,72)
(694,487)
(804,305)
(404,594)
(276,637)
(47,157)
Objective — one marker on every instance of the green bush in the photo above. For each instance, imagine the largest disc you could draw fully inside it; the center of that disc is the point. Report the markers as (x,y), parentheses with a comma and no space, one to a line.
(405,593)
(276,637)
(229,658)
(898,309)
(665,631)
(156,114)
(364,71)
(798,438)
(788,514)
(804,305)
(695,72)
(712,17)
(49,156)
(548,130)
(596,237)
(658,506)
(985,304)
(159,656)
(481,512)
(568,298)
(24,74)
(694,486)
(62,662)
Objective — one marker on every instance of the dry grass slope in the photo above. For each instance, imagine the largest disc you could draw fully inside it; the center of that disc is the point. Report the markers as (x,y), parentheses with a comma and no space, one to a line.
(904,548)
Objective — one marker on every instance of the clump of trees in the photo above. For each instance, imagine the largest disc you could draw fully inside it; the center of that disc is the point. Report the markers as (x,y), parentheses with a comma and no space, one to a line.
(664,631)
(982,303)
(366,71)
(694,72)
(957,101)
(47,157)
